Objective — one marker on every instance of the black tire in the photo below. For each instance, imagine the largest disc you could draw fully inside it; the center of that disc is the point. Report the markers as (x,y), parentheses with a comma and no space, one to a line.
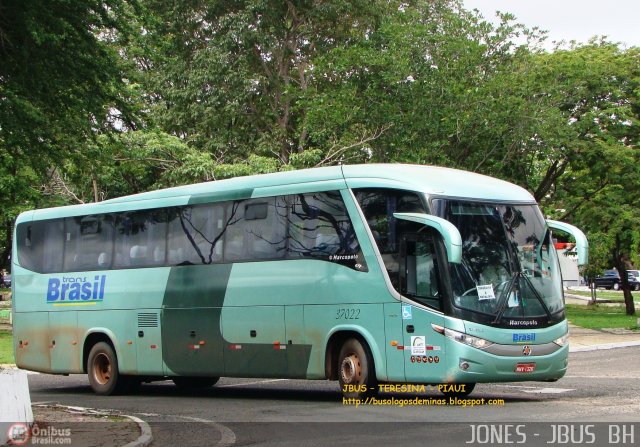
(192,383)
(356,371)
(637,287)
(458,390)
(102,368)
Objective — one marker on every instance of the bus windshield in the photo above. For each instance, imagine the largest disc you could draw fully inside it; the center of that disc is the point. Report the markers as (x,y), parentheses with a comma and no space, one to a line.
(509,271)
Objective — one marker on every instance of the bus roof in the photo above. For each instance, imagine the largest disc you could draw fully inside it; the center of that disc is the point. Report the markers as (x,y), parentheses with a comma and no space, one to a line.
(432,180)
(437,181)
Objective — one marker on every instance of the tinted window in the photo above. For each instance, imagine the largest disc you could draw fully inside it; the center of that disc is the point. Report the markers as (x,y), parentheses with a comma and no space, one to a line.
(88,243)
(195,234)
(286,227)
(378,206)
(40,245)
(257,230)
(319,226)
(140,239)
(419,278)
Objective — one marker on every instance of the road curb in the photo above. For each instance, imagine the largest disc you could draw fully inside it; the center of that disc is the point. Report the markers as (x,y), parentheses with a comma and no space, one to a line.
(145,438)
(624,344)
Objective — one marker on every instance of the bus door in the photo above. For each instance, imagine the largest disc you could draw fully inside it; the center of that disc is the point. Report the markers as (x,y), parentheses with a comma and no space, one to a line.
(419,282)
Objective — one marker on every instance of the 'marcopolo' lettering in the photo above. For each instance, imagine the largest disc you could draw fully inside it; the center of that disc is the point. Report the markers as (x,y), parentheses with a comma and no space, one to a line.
(75,289)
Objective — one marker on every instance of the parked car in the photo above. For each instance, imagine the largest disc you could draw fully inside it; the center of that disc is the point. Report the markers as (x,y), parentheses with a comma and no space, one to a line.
(6,281)
(611,280)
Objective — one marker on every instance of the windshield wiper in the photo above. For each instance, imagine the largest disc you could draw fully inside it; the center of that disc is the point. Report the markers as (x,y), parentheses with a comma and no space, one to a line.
(538,297)
(503,299)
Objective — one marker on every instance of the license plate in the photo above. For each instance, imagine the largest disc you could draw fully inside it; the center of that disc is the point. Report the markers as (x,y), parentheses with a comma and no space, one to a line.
(525,367)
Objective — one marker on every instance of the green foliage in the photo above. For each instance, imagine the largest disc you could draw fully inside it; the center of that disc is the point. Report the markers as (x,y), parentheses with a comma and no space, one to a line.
(231,76)
(596,87)
(60,84)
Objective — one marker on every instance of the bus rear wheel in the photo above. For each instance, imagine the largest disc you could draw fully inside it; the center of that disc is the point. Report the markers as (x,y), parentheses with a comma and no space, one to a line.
(195,382)
(356,372)
(102,369)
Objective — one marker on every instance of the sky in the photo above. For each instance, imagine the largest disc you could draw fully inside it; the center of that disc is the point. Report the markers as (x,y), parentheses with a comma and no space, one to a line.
(571,19)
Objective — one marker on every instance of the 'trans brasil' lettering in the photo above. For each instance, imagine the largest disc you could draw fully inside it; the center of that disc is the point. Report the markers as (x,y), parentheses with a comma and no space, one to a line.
(76,289)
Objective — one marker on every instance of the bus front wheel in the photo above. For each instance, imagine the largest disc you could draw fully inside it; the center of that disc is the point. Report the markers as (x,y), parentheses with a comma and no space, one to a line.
(102,368)
(356,372)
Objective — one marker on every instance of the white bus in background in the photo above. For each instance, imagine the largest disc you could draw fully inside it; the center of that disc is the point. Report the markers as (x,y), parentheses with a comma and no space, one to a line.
(568,264)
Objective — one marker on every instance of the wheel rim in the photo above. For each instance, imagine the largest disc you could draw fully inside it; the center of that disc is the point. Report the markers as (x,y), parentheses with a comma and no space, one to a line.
(351,369)
(102,369)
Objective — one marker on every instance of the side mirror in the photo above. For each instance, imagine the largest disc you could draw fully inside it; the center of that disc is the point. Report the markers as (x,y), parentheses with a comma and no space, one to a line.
(448,231)
(582,245)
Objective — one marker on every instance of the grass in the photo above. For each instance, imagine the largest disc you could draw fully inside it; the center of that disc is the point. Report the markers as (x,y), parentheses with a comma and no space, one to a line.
(606,295)
(6,347)
(599,317)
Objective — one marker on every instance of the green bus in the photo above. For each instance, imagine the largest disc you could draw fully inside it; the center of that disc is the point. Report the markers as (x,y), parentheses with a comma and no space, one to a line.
(365,274)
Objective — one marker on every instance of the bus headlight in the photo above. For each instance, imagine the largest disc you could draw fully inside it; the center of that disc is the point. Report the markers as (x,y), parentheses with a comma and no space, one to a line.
(562,341)
(467,339)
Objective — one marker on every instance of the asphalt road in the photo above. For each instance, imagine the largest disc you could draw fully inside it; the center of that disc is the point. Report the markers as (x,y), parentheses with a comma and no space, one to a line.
(600,387)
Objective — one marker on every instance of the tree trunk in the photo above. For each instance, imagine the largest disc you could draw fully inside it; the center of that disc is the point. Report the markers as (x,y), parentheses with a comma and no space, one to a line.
(94,183)
(624,285)
(5,256)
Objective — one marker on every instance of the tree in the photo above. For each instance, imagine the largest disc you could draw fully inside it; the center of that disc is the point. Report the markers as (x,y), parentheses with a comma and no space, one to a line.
(438,78)
(232,76)
(60,85)
(601,183)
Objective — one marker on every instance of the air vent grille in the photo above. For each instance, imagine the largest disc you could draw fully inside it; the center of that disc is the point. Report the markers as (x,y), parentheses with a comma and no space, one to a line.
(147,320)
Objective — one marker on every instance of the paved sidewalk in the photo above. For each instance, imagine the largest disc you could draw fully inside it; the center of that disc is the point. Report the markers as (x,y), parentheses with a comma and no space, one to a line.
(581,339)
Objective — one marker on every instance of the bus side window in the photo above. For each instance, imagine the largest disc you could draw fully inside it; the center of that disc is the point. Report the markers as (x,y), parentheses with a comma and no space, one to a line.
(140,239)
(40,245)
(378,206)
(195,234)
(87,238)
(419,278)
(27,257)
(257,231)
(319,226)
(53,246)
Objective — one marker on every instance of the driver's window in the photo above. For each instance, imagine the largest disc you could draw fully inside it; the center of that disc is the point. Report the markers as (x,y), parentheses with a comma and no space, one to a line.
(419,277)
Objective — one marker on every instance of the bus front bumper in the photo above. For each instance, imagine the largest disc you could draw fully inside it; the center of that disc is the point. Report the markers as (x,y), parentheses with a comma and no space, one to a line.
(471,365)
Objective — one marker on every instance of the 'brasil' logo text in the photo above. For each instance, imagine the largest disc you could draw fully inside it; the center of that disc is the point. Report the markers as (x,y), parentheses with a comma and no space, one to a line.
(76,288)
(520,338)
